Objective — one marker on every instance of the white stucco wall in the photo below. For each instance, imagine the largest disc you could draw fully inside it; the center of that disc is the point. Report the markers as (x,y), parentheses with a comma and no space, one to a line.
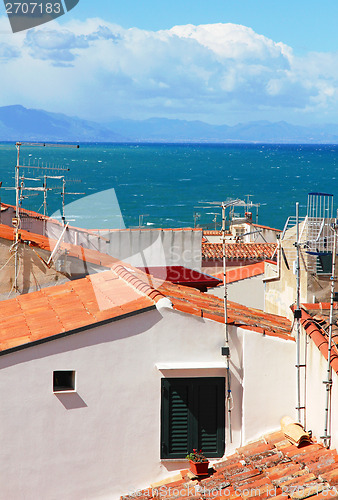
(249,292)
(104,440)
(316,394)
(156,247)
(270,383)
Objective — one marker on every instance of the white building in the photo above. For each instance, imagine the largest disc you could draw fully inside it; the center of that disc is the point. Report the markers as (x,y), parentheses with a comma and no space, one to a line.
(95,372)
(244,285)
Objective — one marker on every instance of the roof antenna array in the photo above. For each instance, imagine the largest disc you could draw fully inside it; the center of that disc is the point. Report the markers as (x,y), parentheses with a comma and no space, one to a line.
(63,194)
(19,187)
(226,349)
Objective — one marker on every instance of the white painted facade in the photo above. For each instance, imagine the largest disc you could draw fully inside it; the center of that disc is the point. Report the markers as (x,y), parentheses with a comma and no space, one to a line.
(156,247)
(316,374)
(249,292)
(103,440)
(138,247)
(254,233)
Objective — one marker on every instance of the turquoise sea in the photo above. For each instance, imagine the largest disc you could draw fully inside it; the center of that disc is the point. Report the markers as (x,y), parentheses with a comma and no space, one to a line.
(168,183)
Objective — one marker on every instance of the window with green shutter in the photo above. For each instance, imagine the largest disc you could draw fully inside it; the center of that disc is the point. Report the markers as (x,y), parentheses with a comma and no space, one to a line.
(192,416)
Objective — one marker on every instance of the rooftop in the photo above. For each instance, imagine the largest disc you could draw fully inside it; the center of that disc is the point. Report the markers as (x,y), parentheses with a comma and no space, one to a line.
(243,272)
(66,308)
(48,244)
(315,320)
(238,251)
(114,294)
(266,227)
(268,468)
(192,301)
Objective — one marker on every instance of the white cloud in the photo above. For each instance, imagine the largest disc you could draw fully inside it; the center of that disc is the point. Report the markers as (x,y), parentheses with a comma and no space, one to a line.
(219,72)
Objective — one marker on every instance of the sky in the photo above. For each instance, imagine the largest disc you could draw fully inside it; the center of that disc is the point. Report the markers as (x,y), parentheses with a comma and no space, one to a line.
(229,61)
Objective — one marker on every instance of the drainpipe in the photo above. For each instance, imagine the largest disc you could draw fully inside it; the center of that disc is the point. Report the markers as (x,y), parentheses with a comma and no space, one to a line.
(328,382)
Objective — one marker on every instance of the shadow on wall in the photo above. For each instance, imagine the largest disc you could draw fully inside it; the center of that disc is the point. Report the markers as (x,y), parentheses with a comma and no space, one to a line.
(84,337)
(71,401)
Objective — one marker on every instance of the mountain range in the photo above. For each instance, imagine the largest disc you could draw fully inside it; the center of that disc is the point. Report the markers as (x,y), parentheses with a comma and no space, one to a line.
(18,123)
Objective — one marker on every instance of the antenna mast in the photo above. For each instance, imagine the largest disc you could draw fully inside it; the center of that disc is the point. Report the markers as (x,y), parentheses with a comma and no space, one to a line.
(328,382)
(297,316)
(19,186)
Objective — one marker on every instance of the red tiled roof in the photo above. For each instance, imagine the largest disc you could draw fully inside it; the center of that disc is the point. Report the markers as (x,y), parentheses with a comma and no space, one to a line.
(192,301)
(317,326)
(242,251)
(267,227)
(268,468)
(28,213)
(112,294)
(243,272)
(76,304)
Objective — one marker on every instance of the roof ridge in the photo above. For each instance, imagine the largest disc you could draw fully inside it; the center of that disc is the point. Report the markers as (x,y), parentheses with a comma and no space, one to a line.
(137,283)
(314,331)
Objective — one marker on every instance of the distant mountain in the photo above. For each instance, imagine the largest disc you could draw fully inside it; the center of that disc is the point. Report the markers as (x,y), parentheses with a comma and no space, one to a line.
(20,123)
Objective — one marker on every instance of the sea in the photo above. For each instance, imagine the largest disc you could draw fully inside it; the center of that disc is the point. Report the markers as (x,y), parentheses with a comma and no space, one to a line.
(168,185)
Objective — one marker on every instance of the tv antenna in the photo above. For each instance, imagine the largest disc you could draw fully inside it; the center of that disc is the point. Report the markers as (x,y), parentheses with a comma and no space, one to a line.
(63,194)
(226,349)
(19,184)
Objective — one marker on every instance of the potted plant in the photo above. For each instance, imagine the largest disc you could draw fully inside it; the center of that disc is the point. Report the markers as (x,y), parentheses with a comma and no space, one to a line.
(199,464)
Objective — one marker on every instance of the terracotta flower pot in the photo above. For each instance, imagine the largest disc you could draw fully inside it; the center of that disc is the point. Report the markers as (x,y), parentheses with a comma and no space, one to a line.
(199,468)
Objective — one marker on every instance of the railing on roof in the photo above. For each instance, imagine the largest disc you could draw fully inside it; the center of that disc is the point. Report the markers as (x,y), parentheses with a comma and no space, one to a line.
(291,222)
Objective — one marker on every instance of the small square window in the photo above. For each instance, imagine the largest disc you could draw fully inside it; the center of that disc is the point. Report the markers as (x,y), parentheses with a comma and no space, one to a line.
(63,380)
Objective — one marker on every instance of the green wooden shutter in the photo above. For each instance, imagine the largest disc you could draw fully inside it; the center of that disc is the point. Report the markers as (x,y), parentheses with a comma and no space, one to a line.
(176,398)
(192,416)
(210,409)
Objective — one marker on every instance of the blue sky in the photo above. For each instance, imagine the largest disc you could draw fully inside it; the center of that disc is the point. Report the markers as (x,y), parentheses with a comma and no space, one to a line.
(224,61)
(304,25)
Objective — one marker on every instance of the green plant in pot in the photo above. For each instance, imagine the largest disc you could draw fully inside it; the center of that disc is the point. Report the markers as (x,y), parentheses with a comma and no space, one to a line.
(199,464)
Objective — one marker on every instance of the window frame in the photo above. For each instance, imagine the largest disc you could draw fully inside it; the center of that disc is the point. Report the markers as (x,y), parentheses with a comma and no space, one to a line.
(192,385)
(68,388)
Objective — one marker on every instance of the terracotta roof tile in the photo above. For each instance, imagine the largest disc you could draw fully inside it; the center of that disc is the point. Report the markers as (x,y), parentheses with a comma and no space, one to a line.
(242,273)
(106,295)
(239,477)
(53,311)
(317,329)
(267,227)
(238,251)
(195,302)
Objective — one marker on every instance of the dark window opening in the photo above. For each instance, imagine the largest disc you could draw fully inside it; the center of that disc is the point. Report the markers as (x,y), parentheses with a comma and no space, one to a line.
(192,416)
(63,380)
(324,263)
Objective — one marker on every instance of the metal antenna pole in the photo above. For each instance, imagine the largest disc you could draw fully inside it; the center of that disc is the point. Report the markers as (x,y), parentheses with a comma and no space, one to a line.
(16,221)
(227,349)
(63,200)
(297,317)
(328,382)
(45,195)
